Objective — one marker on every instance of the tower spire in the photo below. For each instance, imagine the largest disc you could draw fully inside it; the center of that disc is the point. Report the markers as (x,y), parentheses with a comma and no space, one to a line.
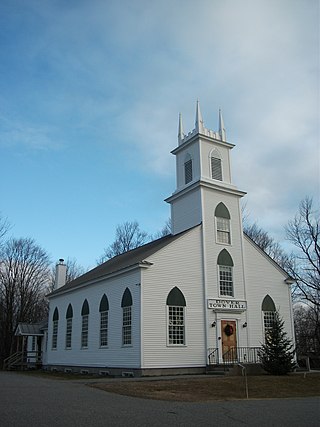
(180,130)
(222,131)
(199,120)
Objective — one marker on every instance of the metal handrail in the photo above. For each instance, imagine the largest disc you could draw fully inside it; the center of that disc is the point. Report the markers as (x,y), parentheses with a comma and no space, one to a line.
(213,356)
(242,354)
(234,355)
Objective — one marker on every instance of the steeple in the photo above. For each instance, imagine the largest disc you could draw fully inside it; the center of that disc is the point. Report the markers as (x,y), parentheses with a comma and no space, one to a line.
(222,131)
(180,130)
(203,174)
(199,121)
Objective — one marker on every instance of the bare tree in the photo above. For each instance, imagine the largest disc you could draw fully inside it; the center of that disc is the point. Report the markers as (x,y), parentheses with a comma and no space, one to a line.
(24,274)
(165,231)
(307,329)
(266,243)
(128,236)
(4,228)
(304,232)
(74,270)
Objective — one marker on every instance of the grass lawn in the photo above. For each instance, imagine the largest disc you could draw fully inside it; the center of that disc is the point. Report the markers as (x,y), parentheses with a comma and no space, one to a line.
(195,389)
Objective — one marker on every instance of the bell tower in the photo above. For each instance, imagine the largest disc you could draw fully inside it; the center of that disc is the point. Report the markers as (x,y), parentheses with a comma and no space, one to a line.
(203,171)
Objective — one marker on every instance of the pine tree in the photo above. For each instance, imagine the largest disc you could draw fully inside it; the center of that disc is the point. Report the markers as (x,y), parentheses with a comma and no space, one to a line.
(277,356)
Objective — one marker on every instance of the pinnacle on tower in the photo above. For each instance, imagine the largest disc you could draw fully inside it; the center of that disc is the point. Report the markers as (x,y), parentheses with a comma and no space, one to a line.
(199,120)
(222,131)
(180,130)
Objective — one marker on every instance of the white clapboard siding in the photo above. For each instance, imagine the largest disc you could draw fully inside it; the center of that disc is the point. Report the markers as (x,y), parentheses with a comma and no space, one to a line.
(178,264)
(115,355)
(212,248)
(264,278)
(186,211)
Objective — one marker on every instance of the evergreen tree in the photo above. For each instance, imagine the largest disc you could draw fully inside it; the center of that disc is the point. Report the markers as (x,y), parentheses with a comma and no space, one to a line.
(277,356)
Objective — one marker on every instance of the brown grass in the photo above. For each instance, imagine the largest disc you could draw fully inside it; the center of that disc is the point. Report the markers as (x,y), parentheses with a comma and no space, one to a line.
(221,388)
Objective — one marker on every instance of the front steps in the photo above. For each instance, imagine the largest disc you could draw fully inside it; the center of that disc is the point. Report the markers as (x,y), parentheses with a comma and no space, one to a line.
(234,369)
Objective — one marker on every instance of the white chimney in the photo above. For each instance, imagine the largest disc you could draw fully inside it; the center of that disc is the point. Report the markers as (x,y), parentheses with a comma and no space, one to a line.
(61,274)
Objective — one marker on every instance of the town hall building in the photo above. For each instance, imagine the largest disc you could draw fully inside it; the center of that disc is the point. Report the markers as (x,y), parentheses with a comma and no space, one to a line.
(205,294)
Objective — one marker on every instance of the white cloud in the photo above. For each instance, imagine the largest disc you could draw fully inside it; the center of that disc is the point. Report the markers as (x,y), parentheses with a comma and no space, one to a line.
(118,73)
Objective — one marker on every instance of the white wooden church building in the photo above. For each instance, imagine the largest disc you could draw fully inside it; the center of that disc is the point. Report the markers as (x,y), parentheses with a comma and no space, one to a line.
(202,295)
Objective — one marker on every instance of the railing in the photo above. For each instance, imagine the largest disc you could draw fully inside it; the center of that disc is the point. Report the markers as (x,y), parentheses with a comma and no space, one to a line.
(14,359)
(242,355)
(234,355)
(20,359)
(213,356)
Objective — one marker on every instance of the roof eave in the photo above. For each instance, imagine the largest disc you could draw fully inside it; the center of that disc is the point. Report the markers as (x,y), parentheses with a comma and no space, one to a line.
(141,264)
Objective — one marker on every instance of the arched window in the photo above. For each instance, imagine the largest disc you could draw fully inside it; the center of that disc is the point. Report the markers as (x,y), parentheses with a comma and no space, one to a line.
(215,164)
(126,305)
(269,311)
(225,266)
(188,173)
(176,304)
(222,217)
(55,321)
(104,320)
(69,316)
(85,324)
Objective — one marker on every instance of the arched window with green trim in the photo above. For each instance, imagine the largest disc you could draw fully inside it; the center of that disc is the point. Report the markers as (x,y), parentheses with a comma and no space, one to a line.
(225,267)
(269,312)
(176,305)
(222,217)
(85,324)
(69,316)
(55,321)
(126,305)
(104,320)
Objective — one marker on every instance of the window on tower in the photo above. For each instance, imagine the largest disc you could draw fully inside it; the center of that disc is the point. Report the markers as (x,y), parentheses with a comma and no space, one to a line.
(188,175)
(222,218)
(225,266)
(216,165)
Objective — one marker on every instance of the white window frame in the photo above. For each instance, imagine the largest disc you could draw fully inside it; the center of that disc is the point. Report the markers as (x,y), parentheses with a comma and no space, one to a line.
(268,318)
(54,341)
(223,231)
(180,328)
(104,323)
(69,333)
(127,326)
(84,331)
(230,270)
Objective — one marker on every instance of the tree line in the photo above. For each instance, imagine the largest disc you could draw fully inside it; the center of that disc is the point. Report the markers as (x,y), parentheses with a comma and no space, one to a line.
(303,266)
(27,275)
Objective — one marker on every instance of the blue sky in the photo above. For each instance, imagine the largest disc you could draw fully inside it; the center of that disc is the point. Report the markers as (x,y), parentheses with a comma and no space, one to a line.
(90,93)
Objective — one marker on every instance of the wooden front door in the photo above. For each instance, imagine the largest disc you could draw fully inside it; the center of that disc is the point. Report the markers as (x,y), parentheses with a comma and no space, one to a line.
(229,340)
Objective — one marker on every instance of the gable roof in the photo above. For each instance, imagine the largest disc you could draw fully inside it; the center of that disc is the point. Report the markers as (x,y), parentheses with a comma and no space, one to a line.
(31,329)
(132,258)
